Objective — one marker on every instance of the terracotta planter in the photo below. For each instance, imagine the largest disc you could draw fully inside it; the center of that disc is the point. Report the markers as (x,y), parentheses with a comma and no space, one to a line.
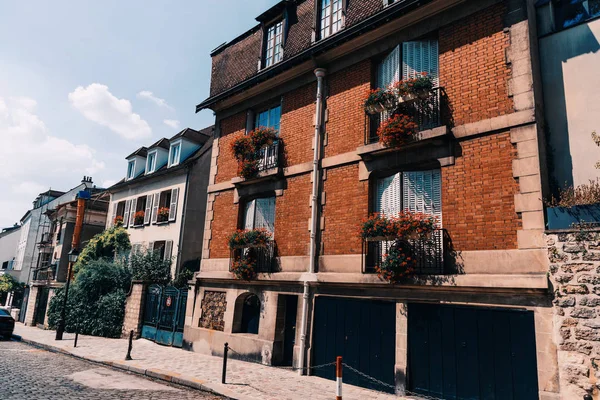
(374,108)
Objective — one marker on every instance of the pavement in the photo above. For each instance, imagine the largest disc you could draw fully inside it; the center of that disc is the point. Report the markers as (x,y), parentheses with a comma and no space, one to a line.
(27,372)
(245,380)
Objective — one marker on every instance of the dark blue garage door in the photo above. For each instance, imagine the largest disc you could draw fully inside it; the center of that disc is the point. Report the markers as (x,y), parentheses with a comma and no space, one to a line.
(469,353)
(363,332)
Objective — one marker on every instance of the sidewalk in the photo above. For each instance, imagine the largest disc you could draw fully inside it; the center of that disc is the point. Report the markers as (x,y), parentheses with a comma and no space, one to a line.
(246,381)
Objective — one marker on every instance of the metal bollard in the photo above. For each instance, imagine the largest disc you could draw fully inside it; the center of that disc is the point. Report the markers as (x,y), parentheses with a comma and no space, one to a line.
(225,351)
(338,378)
(76,337)
(128,356)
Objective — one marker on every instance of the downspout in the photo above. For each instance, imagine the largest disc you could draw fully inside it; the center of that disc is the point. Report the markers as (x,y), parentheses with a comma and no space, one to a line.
(320,74)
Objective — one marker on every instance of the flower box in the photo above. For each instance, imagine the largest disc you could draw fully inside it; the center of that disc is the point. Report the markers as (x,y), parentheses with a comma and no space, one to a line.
(566,217)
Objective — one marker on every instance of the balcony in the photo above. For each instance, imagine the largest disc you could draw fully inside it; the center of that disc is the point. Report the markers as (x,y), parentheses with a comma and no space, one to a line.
(264,257)
(269,166)
(45,240)
(432,254)
(431,115)
(45,273)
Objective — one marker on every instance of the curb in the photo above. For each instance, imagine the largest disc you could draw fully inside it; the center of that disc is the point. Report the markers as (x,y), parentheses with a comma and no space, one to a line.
(161,375)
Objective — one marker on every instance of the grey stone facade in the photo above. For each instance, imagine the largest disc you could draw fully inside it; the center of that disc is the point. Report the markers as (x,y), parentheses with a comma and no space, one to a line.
(575,277)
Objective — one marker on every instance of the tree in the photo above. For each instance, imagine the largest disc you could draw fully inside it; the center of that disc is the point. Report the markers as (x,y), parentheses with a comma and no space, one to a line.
(96,304)
(9,284)
(106,245)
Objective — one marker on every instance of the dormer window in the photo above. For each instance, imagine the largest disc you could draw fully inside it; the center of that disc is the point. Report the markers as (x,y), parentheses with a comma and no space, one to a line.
(131,169)
(151,163)
(330,17)
(274,44)
(174,154)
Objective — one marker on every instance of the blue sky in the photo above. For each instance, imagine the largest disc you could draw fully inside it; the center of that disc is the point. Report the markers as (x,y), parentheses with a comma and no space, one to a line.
(84,83)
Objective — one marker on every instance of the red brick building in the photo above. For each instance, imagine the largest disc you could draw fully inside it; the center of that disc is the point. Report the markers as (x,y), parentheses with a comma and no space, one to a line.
(479,302)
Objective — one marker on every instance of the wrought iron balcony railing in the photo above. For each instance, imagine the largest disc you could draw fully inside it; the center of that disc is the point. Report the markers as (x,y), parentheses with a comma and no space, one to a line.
(264,257)
(45,273)
(429,253)
(427,114)
(268,157)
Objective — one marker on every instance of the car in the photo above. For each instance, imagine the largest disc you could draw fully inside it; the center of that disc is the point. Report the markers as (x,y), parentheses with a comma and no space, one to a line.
(7,324)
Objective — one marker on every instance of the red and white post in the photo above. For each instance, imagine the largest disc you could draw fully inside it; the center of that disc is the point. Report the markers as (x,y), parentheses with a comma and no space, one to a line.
(338,378)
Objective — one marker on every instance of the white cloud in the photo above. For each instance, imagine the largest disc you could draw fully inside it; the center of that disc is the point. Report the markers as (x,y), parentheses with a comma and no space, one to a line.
(31,159)
(148,95)
(99,105)
(173,123)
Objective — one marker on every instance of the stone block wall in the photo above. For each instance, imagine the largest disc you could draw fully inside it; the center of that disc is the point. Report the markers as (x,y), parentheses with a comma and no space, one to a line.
(575,277)
(134,310)
(214,306)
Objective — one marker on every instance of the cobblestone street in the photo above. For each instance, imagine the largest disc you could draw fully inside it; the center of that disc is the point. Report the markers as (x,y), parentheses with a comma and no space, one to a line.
(30,373)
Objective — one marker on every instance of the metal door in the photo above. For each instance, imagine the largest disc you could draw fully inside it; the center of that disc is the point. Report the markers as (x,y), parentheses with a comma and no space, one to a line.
(363,332)
(41,305)
(164,315)
(471,353)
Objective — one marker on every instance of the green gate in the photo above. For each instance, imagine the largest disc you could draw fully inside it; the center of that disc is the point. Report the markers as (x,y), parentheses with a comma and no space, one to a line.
(164,315)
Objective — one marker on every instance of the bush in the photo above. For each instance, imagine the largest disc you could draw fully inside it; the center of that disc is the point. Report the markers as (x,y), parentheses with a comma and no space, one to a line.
(581,195)
(150,267)
(96,304)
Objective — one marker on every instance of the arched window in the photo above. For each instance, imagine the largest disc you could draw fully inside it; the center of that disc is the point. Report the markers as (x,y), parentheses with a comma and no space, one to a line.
(248,313)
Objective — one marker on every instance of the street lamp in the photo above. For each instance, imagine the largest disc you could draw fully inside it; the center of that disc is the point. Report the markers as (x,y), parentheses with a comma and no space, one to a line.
(60,329)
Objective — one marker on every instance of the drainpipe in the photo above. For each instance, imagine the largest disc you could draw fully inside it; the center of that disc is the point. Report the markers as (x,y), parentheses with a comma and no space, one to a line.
(320,74)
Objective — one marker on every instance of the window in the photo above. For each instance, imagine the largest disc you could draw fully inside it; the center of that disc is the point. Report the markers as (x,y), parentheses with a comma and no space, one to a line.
(417,57)
(151,162)
(573,12)
(175,154)
(131,169)
(5,265)
(331,17)
(163,248)
(269,118)
(164,206)
(274,44)
(138,211)
(260,214)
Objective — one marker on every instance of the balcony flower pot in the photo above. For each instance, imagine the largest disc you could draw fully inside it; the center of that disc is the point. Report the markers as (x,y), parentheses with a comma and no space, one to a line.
(249,238)
(262,137)
(397,131)
(379,100)
(138,218)
(244,268)
(406,226)
(566,217)
(398,264)
(163,215)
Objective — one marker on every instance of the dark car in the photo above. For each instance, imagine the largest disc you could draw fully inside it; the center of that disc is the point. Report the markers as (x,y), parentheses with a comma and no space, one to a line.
(7,324)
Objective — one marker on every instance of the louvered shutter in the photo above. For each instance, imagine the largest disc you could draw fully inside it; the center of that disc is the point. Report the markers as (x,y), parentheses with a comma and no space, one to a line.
(114,213)
(388,71)
(265,214)
(422,192)
(155,205)
(420,56)
(148,210)
(126,213)
(168,250)
(173,206)
(249,215)
(132,210)
(150,247)
(388,196)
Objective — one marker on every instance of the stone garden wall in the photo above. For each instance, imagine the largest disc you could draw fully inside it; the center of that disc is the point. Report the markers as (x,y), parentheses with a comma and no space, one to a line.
(134,309)
(575,278)
(214,305)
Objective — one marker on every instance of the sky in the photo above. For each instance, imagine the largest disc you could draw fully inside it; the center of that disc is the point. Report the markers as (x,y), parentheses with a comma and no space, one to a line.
(85,83)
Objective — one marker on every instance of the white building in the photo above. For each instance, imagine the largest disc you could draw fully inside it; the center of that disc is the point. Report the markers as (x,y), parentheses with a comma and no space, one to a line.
(163,194)
(9,238)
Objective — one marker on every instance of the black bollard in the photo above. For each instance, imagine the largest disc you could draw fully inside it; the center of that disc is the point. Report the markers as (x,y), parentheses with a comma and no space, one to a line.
(128,356)
(225,351)
(76,337)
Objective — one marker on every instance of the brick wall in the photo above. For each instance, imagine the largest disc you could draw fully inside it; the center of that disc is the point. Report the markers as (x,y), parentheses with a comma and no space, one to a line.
(347,204)
(297,129)
(478,195)
(231,128)
(223,224)
(292,212)
(473,67)
(346,94)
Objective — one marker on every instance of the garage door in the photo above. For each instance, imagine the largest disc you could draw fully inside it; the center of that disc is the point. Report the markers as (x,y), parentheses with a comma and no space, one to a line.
(363,332)
(471,353)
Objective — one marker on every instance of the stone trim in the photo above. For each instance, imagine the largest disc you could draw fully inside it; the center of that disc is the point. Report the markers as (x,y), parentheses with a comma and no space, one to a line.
(208,226)
(490,125)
